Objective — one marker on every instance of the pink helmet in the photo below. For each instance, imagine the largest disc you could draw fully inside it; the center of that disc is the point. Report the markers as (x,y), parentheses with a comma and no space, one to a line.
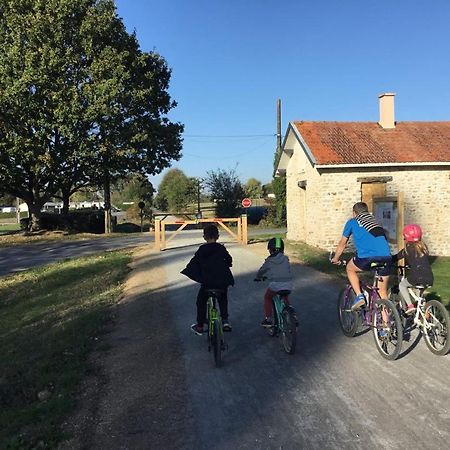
(412,233)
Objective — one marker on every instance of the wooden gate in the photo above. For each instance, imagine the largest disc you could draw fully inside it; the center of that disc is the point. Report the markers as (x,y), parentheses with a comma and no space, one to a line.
(240,235)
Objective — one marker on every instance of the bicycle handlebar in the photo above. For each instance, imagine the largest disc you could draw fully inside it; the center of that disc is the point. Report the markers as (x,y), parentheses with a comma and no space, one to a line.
(342,262)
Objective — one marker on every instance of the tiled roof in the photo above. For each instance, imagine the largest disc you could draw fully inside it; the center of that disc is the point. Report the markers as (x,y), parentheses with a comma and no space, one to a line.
(368,143)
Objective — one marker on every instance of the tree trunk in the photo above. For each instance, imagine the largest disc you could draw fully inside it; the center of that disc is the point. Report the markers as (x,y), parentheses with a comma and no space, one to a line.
(107,199)
(34,214)
(66,200)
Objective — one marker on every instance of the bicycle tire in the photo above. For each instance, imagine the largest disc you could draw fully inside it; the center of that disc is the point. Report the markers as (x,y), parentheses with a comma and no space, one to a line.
(289,330)
(436,337)
(390,345)
(348,320)
(216,344)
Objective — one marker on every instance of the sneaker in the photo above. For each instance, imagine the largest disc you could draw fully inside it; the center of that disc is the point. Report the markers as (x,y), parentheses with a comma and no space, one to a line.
(382,333)
(359,302)
(410,309)
(226,326)
(197,329)
(267,322)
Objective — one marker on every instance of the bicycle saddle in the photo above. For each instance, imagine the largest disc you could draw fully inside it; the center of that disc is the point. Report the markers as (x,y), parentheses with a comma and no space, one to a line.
(283,293)
(215,291)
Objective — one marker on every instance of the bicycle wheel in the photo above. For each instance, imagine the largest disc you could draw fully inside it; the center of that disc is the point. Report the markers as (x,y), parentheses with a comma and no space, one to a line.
(216,344)
(348,319)
(289,330)
(436,327)
(387,329)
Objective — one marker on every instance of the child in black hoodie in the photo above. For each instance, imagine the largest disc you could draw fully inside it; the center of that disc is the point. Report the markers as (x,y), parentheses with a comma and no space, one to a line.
(210,267)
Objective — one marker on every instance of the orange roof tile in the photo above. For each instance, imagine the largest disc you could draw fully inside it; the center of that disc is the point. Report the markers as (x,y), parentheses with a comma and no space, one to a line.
(368,143)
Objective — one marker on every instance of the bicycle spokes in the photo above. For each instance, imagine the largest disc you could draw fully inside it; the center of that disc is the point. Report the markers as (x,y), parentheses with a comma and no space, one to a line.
(387,329)
(436,327)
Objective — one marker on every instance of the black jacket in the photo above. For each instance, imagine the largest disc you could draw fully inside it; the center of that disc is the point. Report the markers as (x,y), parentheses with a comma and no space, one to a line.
(419,267)
(210,266)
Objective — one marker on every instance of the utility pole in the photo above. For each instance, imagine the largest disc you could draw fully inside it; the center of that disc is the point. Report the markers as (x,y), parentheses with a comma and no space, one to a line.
(278,126)
(18,210)
(199,213)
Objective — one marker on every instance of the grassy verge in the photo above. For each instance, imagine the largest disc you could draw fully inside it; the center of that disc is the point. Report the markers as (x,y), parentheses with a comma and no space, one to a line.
(318,259)
(18,238)
(8,227)
(50,318)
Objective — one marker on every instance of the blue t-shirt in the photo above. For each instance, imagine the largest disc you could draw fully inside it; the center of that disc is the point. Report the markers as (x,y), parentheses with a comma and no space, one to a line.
(367,245)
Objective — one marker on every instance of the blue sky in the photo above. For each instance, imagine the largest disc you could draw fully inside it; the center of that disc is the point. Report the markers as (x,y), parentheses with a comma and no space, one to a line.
(325,59)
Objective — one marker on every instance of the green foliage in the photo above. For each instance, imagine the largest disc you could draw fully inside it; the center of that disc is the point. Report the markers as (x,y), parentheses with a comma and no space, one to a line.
(7,200)
(50,319)
(279,189)
(80,102)
(226,189)
(133,188)
(253,188)
(176,191)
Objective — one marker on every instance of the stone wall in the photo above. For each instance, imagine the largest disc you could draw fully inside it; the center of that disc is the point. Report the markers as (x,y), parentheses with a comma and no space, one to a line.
(316,214)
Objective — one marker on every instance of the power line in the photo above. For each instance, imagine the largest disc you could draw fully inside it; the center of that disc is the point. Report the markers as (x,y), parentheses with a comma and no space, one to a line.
(229,136)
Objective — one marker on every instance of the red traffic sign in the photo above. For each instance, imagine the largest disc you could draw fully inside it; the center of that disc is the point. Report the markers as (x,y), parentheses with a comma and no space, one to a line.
(246,203)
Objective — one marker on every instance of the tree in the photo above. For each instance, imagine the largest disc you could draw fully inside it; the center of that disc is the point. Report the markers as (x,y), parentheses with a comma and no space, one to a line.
(80,103)
(253,188)
(134,188)
(226,189)
(176,191)
(279,189)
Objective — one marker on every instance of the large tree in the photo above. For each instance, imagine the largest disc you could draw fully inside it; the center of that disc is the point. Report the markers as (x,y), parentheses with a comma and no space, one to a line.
(226,190)
(80,103)
(133,188)
(176,191)
(253,188)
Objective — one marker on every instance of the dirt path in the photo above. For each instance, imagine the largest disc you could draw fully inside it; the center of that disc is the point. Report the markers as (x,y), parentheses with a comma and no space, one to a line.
(133,399)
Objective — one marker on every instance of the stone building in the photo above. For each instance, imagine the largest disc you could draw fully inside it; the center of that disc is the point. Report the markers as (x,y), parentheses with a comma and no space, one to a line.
(331,165)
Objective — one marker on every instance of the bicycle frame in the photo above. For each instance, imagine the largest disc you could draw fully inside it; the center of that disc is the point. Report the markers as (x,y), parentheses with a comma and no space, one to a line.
(213,316)
(372,290)
(419,317)
(279,302)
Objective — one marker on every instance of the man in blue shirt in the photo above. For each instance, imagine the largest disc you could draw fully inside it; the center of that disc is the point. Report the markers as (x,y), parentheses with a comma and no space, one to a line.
(371,246)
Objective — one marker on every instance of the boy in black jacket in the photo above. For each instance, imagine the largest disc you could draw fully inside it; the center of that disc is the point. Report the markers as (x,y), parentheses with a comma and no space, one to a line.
(210,267)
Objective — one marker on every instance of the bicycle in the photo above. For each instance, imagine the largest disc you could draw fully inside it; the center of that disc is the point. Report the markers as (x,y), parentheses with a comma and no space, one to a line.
(379,314)
(431,317)
(285,321)
(216,339)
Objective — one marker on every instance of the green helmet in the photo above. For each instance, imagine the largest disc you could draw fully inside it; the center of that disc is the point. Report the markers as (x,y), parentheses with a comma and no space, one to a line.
(275,244)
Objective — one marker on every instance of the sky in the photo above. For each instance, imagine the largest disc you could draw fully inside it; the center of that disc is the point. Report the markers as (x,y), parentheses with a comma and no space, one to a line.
(325,59)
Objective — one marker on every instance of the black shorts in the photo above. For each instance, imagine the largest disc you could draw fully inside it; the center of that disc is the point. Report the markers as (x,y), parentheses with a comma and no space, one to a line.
(366,263)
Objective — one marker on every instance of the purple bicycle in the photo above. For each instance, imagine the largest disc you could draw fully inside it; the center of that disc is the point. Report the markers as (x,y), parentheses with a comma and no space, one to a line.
(379,314)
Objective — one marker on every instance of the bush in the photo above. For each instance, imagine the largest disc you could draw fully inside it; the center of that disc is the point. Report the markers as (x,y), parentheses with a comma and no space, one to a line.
(255,214)
(271,218)
(81,221)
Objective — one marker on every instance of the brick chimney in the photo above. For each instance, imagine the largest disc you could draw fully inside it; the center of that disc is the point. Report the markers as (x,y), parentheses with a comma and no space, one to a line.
(387,116)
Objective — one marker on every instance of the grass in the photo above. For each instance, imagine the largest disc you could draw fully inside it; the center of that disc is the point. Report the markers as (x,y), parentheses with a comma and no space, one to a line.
(50,318)
(18,238)
(8,227)
(318,259)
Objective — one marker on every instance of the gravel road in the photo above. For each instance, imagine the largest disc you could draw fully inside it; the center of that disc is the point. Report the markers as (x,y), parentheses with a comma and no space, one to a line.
(157,387)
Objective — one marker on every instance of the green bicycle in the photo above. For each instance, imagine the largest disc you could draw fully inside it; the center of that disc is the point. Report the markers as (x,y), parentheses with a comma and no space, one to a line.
(216,340)
(285,322)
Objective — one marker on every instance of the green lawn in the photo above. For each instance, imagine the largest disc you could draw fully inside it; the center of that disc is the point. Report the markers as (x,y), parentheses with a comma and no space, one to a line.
(8,227)
(50,318)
